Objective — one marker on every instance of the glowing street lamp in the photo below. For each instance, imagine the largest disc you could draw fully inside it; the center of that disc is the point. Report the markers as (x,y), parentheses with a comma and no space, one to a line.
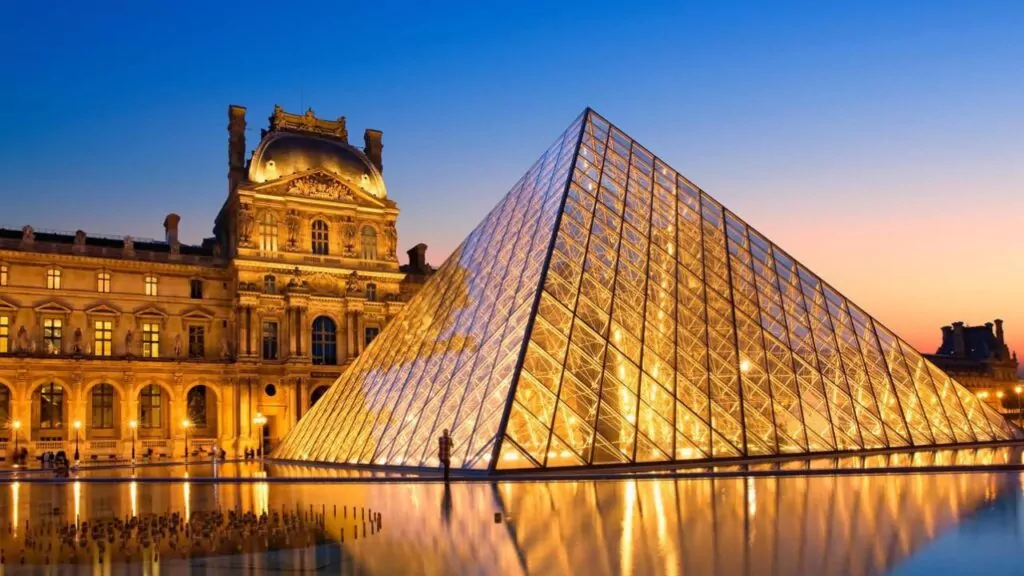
(260,420)
(78,426)
(185,424)
(134,424)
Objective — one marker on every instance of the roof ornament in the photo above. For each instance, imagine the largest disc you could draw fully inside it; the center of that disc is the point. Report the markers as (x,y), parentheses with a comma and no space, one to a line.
(308,122)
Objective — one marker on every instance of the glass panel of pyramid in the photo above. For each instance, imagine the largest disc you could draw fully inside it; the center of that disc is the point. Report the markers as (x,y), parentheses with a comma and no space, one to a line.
(607,312)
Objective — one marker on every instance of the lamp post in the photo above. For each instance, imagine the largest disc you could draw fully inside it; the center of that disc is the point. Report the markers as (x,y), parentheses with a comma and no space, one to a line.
(134,424)
(17,428)
(260,420)
(78,426)
(185,424)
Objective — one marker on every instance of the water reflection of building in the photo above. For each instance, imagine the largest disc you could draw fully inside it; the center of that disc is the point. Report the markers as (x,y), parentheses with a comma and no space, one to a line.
(300,275)
(978,358)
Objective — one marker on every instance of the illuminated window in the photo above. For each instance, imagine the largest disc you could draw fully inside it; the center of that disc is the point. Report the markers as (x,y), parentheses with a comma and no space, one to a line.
(269,284)
(371,292)
(268,233)
(150,340)
(103,406)
(53,278)
(51,406)
(321,238)
(5,334)
(270,340)
(195,289)
(151,285)
(53,331)
(150,407)
(103,282)
(369,243)
(325,341)
(196,342)
(103,334)
(371,334)
(3,274)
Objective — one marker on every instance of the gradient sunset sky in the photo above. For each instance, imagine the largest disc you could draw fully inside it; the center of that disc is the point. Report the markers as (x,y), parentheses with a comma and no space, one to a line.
(881,143)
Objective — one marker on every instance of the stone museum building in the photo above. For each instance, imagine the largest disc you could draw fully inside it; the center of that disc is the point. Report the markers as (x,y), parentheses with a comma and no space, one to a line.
(978,357)
(111,343)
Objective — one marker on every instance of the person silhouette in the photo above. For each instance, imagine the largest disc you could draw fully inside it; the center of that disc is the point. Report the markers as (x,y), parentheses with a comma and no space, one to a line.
(444,452)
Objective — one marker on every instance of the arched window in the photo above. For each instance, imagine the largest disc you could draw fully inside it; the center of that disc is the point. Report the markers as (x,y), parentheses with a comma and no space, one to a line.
(103,406)
(197,406)
(151,407)
(5,405)
(51,406)
(325,341)
(321,238)
(268,233)
(317,395)
(369,243)
(371,292)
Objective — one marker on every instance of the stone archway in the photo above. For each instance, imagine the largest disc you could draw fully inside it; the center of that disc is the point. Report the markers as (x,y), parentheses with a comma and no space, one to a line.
(202,411)
(317,394)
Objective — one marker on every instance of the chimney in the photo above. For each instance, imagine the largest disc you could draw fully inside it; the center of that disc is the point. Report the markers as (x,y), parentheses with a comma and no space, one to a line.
(171,228)
(959,346)
(418,258)
(236,146)
(374,148)
(1000,337)
(947,340)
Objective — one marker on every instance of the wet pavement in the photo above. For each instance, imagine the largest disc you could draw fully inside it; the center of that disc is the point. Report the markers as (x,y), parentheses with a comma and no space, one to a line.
(840,524)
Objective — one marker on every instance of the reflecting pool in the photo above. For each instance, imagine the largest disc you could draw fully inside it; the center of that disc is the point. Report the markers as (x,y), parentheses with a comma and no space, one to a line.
(907,524)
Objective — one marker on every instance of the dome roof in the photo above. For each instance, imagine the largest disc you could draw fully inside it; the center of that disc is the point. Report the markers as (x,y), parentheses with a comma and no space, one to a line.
(282,154)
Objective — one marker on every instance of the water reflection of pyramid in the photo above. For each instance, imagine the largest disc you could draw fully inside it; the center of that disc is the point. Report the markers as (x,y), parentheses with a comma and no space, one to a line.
(621,315)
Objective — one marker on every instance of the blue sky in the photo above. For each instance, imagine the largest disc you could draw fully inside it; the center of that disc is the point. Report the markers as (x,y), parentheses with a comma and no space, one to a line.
(858,135)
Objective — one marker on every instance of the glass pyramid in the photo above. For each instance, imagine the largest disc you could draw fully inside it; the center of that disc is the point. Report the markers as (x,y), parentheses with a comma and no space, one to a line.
(609,312)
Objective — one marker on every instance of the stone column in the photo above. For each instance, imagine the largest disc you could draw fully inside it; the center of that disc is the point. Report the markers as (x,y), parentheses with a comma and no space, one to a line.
(350,330)
(298,331)
(360,332)
(248,331)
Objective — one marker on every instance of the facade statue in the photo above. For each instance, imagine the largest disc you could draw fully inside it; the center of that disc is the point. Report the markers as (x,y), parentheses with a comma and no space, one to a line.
(129,245)
(76,344)
(177,345)
(129,341)
(28,234)
(245,224)
(24,345)
(225,349)
(391,238)
(352,283)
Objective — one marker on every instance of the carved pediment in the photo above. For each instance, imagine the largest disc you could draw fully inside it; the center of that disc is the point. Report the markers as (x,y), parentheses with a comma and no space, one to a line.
(103,309)
(321,185)
(52,307)
(197,313)
(7,306)
(150,312)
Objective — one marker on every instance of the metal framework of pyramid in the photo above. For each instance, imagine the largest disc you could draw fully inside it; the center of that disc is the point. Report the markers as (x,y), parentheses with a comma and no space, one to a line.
(609,312)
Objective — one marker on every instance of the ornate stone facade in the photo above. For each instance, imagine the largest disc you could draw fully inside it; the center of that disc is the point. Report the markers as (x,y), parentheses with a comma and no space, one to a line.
(978,357)
(300,276)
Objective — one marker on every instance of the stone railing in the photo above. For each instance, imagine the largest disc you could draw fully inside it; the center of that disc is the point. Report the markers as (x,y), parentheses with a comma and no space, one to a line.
(50,445)
(103,445)
(107,252)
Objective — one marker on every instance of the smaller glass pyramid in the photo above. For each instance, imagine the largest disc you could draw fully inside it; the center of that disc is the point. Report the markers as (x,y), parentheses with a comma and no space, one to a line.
(609,312)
